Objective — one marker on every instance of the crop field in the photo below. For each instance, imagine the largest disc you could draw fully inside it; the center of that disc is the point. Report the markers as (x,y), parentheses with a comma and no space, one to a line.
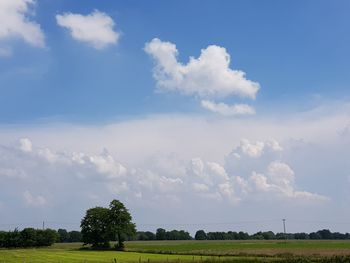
(186,251)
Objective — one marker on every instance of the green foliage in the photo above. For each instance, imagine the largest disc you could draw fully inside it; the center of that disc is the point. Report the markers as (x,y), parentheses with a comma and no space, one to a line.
(102,225)
(161,234)
(146,236)
(200,235)
(119,222)
(74,236)
(68,237)
(94,227)
(28,237)
(63,235)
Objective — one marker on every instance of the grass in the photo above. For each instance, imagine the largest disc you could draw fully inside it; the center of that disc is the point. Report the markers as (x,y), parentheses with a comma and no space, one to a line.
(247,247)
(187,252)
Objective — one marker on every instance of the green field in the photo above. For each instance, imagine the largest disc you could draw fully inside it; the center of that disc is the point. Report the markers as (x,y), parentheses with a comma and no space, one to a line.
(185,251)
(249,247)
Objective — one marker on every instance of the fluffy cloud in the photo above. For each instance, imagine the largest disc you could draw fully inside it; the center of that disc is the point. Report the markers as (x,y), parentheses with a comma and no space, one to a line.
(228,110)
(194,178)
(15,23)
(208,76)
(32,200)
(95,29)
(257,148)
(258,178)
(280,181)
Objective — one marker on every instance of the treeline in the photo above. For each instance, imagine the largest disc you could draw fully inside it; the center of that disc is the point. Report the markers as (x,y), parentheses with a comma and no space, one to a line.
(162,234)
(269,235)
(68,237)
(28,237)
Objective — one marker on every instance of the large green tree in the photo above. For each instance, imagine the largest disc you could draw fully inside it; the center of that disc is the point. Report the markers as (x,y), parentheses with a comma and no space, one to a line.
(101,225)
(94,227)
(120,222)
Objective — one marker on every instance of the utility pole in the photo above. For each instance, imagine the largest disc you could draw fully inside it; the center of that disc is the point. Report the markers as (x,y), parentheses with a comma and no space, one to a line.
(43,225)
(284,228)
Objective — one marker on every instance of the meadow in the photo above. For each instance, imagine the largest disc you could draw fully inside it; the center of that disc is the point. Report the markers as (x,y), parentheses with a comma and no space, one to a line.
(188,251)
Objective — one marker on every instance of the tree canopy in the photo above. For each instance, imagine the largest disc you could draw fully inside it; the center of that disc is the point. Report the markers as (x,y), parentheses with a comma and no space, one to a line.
(102,225)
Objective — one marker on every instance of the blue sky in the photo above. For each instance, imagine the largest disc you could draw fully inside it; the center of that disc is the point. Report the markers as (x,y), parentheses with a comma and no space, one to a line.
(295,51)
(226,106)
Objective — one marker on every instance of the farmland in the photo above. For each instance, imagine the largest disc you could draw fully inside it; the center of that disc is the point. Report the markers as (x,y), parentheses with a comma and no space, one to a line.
(185,251)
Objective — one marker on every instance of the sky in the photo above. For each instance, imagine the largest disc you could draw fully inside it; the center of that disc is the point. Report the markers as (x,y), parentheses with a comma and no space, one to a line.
(228,115)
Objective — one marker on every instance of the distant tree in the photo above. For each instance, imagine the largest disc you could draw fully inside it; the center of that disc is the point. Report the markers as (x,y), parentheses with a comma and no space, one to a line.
(2,238)
(12,239)
(63,235)
(200,235)
(120,222)
(258,236)
(145,235)
(29,237)
(314,235)
(140,235)
(74,236)
(184,235)
(325,234)
(268,235)
(150,235)
(337,235)
(301,236)
(243,236)
(161,234)
(95,227)
(46,237)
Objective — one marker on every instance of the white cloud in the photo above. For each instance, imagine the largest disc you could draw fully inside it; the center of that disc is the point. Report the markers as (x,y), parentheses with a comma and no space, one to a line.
(257,148)
(32,200)
(208,76)
(228,110)
(25,145)
(252,149)
(95,29)
(105,164)
(279,182)
(281,174)
(15,23)
(157,153)
(196,177)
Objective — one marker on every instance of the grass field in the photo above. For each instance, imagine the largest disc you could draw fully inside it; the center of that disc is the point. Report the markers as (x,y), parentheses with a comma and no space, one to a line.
(248,247)
(186,251)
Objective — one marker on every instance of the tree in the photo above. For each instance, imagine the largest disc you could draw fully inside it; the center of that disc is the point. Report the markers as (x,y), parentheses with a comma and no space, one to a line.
(28,237)
(46,237)
(325,234)
(120,222)
(101,225)
(63,235)
(74,236)
(94,227)
(200,235)
(161,234)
